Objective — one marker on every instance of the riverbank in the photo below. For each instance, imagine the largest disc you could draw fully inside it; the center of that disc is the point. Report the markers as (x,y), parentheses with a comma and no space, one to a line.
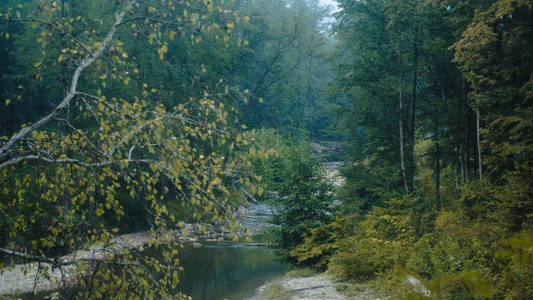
(317,287)
(296,285)
(27,278)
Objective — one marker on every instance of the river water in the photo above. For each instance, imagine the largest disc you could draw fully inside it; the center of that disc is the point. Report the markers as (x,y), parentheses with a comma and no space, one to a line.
(223,270)
(227,271)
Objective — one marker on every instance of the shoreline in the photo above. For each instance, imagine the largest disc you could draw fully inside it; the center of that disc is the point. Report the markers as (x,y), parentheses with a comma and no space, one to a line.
(24,278)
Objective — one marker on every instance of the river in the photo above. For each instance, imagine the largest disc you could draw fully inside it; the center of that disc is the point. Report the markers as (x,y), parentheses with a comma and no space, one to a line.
(223,270)
(230,271)
(227,270)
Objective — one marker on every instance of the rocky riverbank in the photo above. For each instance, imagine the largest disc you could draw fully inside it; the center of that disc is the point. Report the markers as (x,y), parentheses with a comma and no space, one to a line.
(316,287)
(25,278)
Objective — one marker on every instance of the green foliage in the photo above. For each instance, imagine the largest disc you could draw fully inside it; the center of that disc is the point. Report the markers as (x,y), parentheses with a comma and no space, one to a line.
(321,243)
(515,255)
(304,201)
(301,272)
(114,147)
(360,258)
(276,291)
(302,198)
(450,189)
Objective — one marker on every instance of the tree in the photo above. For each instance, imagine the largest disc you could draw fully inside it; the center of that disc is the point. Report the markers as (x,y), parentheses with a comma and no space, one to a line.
(304,202)
(494,54)
(110,137)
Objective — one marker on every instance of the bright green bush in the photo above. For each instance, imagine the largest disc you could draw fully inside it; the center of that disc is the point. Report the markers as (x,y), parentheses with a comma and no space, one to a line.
(321,243)
(276,291)
(361,258)
(301,272)
(297,190)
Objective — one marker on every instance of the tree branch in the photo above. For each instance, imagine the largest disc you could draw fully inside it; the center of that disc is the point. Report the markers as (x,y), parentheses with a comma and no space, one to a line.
(4,150)
(20,159)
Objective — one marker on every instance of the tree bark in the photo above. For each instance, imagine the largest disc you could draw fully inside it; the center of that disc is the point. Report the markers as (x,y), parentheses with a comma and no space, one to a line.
(400,119)
(437,149)
(480,162)
(437,161)
(464,159)
(411,125)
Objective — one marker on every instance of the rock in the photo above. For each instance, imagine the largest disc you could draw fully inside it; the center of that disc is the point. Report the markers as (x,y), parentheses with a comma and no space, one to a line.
(196,245)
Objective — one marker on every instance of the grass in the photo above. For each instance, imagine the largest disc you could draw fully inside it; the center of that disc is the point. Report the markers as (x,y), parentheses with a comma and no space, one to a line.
(276,291)
(301,272)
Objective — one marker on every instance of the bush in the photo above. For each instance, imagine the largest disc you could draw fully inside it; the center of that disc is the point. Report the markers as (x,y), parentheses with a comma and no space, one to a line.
(301,272)
(320,244)
(276,291)
(361,258)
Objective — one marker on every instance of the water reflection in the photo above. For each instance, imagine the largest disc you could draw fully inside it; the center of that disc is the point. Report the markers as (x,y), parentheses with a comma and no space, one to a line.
(226,271)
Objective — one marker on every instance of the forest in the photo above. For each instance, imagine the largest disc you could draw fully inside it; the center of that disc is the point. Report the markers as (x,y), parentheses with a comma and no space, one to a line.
(389,142)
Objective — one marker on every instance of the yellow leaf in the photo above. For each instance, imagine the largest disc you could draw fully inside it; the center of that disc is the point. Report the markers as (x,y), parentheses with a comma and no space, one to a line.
(7,102)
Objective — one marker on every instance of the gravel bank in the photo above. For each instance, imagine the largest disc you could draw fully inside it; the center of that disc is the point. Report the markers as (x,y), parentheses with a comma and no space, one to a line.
(318,287)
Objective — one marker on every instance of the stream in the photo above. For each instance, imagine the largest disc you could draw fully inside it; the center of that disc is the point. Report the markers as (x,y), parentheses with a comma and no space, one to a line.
(226,270)
(222,270)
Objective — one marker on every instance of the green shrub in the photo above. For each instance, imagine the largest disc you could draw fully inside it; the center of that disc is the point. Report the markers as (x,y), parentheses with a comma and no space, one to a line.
(276,291)
(361,258)
(341,287)
(320,244)
(301,272)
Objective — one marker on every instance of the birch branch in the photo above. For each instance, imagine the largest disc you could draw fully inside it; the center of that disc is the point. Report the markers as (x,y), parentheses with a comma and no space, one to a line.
(4,150)
(20,159)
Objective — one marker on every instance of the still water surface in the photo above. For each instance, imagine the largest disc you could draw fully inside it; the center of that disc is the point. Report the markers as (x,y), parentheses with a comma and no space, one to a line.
(227,271)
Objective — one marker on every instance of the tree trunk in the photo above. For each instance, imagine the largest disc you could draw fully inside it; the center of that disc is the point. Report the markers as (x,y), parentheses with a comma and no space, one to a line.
(400,118)
(437,149)
(437,160)
(464,160)
(411,125)
(402,151)
(480,162)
